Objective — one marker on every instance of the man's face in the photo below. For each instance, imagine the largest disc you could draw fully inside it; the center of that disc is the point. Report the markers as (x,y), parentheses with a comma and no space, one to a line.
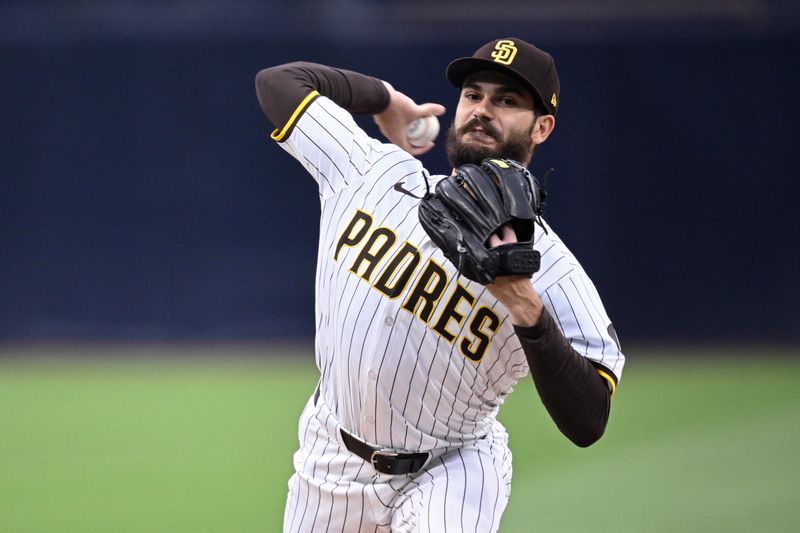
(494,118)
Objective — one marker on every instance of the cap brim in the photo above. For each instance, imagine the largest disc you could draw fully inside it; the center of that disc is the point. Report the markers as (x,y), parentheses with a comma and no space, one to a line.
(460,69)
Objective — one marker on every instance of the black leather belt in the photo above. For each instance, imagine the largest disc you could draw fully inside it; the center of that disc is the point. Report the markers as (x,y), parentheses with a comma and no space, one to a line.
(384,461)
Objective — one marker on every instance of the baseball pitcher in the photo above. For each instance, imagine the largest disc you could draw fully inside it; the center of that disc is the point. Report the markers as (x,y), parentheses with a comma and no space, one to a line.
(435,294)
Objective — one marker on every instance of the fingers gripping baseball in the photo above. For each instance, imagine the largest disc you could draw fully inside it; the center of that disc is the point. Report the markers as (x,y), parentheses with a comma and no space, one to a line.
(394,121)
(423,131)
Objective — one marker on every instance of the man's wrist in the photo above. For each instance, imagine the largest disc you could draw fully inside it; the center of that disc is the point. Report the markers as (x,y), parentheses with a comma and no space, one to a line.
(525,315)
(519,298)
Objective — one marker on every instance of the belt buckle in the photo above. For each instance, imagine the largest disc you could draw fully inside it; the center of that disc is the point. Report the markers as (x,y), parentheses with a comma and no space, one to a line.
(381,453)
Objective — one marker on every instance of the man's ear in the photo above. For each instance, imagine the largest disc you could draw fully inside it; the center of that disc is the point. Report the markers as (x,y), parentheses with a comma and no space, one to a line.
(543,128)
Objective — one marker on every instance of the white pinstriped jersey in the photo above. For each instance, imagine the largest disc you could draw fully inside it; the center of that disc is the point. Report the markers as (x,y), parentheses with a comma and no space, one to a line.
(413,356)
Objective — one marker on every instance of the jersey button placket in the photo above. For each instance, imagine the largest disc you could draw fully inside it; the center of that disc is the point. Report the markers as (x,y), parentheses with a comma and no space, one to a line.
(372,376)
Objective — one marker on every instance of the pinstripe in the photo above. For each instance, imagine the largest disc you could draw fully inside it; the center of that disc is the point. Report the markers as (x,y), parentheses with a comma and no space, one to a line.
(345,514)
(499,360)
(446,489)
(295,497)
(294,516)
(394,383)
(363,505)
(303,514)
(297,502)
(322,269)
(473,396)
(415,496)
(334,137)
(503,458)
(319,501)
(464,491)
(330,518)
(386,504)
(324,154)
(452,433)
(405,443)
(316,171)
(595,308)
(435,419)
(393,379)
(590,316)
(573,340)
(353,284)
(426,384)
(433,485)
(546,297)
(483,486)
(353,339)
(551,266)
(314,472)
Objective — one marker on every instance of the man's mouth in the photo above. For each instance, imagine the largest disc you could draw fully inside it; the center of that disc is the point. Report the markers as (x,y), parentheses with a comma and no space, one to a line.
(479,135)
(476,131)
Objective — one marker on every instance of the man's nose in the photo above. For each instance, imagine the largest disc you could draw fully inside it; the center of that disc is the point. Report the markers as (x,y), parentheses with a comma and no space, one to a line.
(483,110)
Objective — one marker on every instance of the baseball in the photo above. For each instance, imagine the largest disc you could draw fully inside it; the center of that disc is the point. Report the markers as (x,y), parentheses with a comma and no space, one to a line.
(422,130)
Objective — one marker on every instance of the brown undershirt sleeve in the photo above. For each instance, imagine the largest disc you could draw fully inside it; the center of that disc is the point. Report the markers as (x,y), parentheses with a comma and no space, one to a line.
(281,89)
(575,395)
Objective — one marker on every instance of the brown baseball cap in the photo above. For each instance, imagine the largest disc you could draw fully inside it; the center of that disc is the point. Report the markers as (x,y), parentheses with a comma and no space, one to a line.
(532,67)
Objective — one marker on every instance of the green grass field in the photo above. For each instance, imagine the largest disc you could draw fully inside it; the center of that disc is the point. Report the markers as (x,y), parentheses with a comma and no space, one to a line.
(201,440)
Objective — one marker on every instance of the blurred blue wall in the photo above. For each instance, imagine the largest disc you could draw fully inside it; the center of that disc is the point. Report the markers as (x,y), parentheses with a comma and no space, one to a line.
(140,196)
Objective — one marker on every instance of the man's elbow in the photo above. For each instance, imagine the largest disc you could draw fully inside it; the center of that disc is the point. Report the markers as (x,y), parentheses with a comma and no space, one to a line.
(587,428)
(587,435)
(264,81)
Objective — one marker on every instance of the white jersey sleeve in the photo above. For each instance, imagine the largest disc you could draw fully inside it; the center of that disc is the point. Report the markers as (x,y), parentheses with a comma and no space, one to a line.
(572,299)
(328,142)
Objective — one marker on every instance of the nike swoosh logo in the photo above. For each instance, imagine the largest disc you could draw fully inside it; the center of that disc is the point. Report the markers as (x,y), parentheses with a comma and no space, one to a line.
(399,188)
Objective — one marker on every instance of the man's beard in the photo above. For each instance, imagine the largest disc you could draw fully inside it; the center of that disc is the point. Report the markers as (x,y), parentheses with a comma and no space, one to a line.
(518,146)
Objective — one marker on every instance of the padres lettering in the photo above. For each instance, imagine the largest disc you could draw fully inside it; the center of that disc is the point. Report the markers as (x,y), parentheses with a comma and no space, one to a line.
(504,52)
(423,297)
